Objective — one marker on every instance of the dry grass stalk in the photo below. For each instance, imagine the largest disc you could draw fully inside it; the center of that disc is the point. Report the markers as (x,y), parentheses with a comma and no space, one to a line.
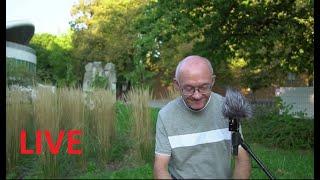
(103,117)
(73,108)
(18,112)
(171,93)
(141,132)
(73,116)
(48,113)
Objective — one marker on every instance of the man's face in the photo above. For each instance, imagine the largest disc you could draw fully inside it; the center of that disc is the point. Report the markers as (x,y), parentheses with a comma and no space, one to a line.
(195,84)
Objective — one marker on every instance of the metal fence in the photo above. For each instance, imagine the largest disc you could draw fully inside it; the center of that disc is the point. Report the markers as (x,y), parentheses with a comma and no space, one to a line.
(263,102)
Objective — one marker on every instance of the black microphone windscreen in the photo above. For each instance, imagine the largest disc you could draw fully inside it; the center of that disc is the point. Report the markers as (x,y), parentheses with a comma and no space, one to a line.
(235,105)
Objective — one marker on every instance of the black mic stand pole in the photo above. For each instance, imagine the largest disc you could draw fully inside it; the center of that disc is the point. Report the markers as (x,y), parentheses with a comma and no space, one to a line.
(237,140)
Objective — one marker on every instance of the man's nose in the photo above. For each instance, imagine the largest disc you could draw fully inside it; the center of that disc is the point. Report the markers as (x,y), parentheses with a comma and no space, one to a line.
(197,94)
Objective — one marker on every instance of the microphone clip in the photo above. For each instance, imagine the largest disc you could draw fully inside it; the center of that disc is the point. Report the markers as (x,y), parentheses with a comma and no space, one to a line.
(235,136)
(233,124)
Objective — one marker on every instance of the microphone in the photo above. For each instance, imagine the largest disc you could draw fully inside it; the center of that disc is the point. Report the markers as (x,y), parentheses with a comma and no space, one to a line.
(236,106)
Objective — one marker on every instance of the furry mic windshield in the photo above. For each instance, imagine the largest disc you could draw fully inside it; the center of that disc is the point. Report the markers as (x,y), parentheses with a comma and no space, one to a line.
(235,105)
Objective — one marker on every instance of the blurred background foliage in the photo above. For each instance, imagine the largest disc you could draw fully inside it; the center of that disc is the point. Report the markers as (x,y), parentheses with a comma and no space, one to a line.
(145,39)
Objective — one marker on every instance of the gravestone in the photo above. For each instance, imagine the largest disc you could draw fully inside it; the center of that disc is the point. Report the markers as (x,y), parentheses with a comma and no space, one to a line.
(110,73)
(94,69)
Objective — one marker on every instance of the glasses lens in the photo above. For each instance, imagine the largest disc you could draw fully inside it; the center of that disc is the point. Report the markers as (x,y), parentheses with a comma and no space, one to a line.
(205,89)
(188,91)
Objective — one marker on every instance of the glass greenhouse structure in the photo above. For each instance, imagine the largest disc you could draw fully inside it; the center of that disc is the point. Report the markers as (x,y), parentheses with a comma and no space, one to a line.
(20,59)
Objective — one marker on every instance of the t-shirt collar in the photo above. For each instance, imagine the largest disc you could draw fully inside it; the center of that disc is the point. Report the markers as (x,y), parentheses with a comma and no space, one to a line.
(185,104)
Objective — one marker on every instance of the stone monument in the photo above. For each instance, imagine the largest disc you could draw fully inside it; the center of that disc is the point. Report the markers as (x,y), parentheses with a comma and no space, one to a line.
(110,73)
(94,69)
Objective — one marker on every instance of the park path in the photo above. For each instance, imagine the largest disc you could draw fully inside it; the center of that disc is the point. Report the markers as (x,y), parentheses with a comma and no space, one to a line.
(158,103)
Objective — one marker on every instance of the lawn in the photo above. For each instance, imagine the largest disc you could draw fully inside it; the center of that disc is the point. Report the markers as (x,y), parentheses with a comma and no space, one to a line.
(282,164)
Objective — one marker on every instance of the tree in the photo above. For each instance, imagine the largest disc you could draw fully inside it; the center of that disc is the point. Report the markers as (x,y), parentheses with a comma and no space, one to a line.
(246,41)
(272,37)
(54,59)
(103,31)
(165,37)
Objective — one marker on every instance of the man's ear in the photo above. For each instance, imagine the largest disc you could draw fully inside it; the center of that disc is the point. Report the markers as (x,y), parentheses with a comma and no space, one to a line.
(176,84)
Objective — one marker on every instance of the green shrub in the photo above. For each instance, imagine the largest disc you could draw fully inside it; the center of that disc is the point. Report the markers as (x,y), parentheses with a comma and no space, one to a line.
(285,131)
(99,82)
(122,114)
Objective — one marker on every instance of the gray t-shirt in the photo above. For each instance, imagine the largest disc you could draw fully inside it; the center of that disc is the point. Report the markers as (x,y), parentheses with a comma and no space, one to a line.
(198,143)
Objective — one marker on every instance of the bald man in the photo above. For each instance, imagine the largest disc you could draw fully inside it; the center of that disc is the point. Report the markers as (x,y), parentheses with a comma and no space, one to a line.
(192,136)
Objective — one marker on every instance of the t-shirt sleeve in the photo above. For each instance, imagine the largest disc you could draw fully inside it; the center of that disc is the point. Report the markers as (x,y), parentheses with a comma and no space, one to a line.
(162,146)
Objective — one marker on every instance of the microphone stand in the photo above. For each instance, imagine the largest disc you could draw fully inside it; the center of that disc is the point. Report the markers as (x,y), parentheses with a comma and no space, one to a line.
(237,140)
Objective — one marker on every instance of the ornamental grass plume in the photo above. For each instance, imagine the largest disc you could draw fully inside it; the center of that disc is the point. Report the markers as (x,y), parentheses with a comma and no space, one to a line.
(47,116)
(103,121)
(140,119)
(18,114)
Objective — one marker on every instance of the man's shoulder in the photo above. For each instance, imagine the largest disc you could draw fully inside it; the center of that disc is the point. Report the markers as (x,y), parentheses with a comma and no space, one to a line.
(218,94)
(170,107)
(218,97)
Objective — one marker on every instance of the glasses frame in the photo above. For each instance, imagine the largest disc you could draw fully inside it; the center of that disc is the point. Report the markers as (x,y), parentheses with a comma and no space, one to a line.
(197,88)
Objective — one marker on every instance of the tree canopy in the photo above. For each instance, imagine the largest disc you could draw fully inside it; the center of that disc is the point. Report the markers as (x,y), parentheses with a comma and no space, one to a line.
(55,63)
(104,32)
(250,43)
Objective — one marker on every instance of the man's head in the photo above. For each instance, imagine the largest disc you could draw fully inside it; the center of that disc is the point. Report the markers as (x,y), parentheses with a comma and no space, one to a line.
(194,78)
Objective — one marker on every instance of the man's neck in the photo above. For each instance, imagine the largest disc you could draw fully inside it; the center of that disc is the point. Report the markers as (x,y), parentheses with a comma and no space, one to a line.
(199,110)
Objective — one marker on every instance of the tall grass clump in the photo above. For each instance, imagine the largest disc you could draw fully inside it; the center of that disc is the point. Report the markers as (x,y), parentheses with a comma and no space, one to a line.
(103,121)
(47,112)
(140,118)
(171,94)
(73,118)
(18,113)
(73,108)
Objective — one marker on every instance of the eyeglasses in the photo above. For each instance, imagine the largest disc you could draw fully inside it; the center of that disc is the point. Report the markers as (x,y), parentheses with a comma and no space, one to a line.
(203,89)
(190,90)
